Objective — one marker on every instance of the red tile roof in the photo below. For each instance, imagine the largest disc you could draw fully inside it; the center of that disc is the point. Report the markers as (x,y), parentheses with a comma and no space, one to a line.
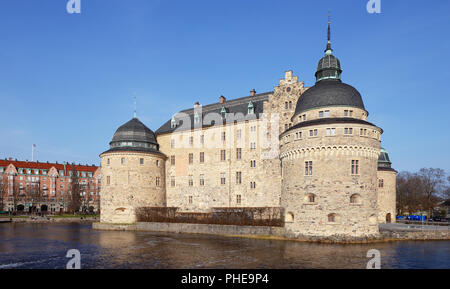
(46,166)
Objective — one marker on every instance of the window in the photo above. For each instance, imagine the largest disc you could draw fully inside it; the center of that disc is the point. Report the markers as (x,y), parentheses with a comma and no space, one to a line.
(251,108)
(331,131)
(122,161)
(313,132)
(355,167)
(311,198)
(290,104)
(308,168)
(252,145)
(172,181)
(238,199)
(363,131)
(191,140)
(253,164)
(202,157)
(108,180)
(190,199)
(223,155)
(158,181)
(348,131)
(239,134)
(238,178)
(173,123)
(320,113)
(238,153)
(224,136)
(286,105)
(141,161)
(380,183)
(331,218)
(304,117)
(191,158)
(172,160)
(223,111)
(253,128)
(202,180)
(286,126)
(222,178)
(191,180)
(172,143)
(196,118)
(157,163)
(252,185)
(202,139)
(348,113)
(355,199)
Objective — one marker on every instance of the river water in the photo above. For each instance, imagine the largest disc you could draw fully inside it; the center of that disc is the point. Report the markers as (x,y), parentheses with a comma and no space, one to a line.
(25,245)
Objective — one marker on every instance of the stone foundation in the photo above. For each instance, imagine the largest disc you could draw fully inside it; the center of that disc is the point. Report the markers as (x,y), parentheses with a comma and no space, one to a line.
(273,232)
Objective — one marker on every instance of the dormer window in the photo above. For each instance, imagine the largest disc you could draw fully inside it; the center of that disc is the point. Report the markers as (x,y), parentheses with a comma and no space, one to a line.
(223,112)
(251,108)
(196,118)
(173,123)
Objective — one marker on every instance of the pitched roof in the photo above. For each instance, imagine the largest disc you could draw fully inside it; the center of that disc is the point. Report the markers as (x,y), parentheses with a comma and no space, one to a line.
(46,166)
(237,110)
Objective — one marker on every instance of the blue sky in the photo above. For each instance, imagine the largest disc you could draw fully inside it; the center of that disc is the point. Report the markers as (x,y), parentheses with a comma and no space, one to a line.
(66,81)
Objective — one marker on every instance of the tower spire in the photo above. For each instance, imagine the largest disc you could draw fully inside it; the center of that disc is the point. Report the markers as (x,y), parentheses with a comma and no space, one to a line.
(328,50)
(134,105)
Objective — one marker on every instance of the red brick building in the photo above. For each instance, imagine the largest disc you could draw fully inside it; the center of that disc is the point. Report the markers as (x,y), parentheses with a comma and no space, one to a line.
(46,187)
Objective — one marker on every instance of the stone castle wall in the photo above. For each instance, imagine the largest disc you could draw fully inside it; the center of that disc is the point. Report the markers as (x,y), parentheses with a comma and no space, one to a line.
(130,185)
(331,183)
(387,196)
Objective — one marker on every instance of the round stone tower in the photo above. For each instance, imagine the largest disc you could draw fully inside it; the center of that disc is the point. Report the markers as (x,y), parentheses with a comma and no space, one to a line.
(330,160)
(133,174)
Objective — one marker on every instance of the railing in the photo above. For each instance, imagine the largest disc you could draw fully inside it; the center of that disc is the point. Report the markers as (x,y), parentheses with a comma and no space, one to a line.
(266,216)
(434,223)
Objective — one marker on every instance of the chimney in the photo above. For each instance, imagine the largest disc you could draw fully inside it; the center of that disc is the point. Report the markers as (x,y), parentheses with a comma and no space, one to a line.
(253,92)
(222,99)
(197,104)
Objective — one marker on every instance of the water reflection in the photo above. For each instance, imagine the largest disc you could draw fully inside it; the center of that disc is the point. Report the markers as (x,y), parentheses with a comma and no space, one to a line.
(45,246)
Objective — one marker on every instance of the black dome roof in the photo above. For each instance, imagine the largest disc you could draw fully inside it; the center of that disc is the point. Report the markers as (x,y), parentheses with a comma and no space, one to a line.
(134,131)
(329,92)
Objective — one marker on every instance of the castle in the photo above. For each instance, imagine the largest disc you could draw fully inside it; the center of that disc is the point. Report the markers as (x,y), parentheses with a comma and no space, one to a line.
(310,151)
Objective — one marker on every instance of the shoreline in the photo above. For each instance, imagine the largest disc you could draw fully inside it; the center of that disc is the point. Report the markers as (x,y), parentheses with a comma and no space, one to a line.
(41,220)
(275,233)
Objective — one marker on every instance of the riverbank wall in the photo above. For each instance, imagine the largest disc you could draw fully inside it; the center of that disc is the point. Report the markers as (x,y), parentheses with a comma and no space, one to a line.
(276,233)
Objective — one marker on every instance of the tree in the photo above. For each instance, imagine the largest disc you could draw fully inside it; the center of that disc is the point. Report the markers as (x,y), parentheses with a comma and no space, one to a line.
(432,181)
(408,193)
(76,189)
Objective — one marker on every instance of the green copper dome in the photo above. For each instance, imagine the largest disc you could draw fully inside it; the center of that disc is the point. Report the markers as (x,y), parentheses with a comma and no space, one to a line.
(383,159)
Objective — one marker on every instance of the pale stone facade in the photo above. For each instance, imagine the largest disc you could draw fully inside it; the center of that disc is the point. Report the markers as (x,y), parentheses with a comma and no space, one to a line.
(131,180)
(310,151)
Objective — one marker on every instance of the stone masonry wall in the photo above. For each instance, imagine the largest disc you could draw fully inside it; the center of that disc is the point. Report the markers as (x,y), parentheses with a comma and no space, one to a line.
(387,196)
(131,185)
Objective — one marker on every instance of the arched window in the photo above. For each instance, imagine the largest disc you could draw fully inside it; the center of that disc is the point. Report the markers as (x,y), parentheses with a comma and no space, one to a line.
(310,198)
(333,218)
(355,199)
(289,217)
